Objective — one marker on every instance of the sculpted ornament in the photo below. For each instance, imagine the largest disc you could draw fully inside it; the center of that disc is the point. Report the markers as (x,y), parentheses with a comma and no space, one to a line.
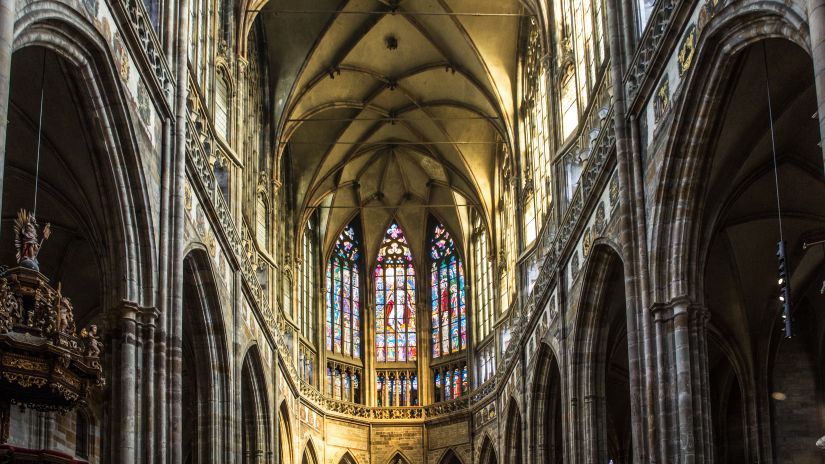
(26,239)
(92,341)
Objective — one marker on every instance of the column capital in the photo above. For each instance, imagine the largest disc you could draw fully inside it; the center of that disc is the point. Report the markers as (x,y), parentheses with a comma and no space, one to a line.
(677,306)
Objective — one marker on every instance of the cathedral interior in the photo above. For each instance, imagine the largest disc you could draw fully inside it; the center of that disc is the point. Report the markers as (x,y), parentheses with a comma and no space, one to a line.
(412,231)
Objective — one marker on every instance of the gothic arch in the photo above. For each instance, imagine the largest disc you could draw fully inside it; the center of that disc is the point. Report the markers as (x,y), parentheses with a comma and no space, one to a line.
(487,455)
(309,456)
(513,444)
(124,233)
(254,410)
(546,424)
(90,188)
(398,458)
(347,458)
(285,454)
(205,365)
(712,197)
(450,457)
(600,356)
(677,235)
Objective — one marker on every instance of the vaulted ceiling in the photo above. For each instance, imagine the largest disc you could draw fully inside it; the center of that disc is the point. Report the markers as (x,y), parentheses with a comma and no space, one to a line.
(394,109)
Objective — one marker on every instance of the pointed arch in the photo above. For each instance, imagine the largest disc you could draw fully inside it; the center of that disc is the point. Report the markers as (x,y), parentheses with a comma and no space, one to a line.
(600,348)
(546,431)
(205,393)
(255,423)
(120,220)
(450,457)
(309,456)
(513,452)
(398,458)
(285,454)
(395,299)
(347,458)
(488,454)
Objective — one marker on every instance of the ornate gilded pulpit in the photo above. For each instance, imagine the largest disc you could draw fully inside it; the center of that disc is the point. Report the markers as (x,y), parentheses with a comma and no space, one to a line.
(45,364)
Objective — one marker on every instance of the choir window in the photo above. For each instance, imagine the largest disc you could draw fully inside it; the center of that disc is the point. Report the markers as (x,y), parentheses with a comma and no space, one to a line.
(343,314)
(395,336)
(449,313)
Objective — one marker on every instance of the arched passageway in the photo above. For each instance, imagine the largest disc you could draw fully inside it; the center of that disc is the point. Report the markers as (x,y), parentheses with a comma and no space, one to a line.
(204,365)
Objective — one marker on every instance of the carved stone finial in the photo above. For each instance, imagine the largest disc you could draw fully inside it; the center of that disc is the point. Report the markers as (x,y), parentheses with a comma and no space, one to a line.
(26,239)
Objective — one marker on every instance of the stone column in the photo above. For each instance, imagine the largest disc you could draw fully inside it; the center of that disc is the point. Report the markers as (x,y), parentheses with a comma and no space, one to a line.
(127,399)
(149,318)
(816,23)
(8,11)
(682,328)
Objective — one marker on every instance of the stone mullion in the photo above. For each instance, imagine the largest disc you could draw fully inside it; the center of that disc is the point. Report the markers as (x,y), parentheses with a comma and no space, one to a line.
(370,375)
(321,323)
(424,349)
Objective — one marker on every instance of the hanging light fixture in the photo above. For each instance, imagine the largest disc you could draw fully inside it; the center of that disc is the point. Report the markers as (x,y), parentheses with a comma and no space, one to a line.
(784,280)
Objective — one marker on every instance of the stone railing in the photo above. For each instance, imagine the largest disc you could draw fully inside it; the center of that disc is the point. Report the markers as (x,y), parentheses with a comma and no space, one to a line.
(649,45)
(138,27)
(328,405)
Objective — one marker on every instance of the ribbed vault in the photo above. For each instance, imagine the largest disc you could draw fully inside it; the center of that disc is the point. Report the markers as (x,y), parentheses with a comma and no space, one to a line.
(394,108)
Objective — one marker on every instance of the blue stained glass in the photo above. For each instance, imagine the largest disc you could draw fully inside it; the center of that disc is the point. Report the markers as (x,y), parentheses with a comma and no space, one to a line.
(395,298)
(447,294)
(343,305)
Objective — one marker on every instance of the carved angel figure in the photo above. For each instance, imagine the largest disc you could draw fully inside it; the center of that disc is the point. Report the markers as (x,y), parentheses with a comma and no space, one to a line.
(26,239)
(92,341)
(65,313)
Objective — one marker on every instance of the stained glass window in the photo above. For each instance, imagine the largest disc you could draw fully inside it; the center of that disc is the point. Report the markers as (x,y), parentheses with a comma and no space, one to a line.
(397,388)
(395,337)
(343,315)
(451,382)
(449,314)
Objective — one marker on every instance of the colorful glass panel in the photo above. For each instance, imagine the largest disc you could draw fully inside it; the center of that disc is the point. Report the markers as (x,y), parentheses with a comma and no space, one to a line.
(343,297)
(449,313)
(395,323)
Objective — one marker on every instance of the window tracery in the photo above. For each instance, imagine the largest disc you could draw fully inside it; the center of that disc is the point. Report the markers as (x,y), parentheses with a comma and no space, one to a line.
(343,299)
(449,312)
(343,382)
(397,388)
(538,193)
(451,382)
(222,101)
(482,261)
(395,325)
